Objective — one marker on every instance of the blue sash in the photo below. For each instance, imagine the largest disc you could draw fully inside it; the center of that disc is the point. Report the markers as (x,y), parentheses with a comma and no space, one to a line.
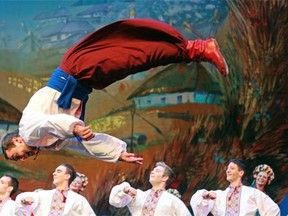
(69,88)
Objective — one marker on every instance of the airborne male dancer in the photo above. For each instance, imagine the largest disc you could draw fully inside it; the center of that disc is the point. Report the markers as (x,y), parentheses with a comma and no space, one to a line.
(54,115)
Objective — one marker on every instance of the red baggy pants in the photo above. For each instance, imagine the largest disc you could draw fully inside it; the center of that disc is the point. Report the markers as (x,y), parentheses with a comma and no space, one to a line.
(122,48)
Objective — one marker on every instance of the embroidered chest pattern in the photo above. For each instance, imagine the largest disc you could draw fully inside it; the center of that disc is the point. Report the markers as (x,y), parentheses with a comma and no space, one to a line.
(58,203)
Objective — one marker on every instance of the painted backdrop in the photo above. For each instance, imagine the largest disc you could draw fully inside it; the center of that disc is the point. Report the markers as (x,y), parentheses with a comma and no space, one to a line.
(185,114)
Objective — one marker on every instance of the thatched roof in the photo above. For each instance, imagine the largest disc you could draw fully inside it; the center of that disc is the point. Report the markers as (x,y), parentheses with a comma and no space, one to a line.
(8,113)
(179,78)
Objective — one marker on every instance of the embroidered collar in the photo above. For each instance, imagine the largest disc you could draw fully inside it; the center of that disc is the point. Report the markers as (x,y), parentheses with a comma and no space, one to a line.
(63,193)
(233,190)
(234,187)
(157,192)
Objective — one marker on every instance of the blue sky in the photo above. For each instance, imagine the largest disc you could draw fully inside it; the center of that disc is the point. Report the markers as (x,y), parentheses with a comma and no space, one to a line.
(13,12)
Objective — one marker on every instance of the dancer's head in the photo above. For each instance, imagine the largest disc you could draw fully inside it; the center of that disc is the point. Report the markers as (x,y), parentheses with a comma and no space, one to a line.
(161,174)
(15,148)
(8,185)
(235,171)
(263,175)
(79,183)
(63,175)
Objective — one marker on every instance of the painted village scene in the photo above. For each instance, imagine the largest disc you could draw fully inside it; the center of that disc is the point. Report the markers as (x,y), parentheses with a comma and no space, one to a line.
(185,114)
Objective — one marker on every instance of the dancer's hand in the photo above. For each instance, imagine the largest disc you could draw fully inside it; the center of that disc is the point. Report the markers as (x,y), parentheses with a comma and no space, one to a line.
(209,195)
(84,132)
(130,158)
(130,191)
(27,201)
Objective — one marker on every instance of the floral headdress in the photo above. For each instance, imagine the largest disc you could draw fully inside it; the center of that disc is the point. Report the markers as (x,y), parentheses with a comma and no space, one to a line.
(84,179)
(264,168)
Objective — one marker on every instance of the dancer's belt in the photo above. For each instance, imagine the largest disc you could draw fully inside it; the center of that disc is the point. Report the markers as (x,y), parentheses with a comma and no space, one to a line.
(69,88)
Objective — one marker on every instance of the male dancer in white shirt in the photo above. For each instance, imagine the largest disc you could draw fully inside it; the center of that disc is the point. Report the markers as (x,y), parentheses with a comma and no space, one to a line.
(236,200)
(155,201)
(59,201)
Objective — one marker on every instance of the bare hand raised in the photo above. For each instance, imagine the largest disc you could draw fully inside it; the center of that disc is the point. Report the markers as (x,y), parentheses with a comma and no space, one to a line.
(209,195)
(130,158)
(130,191)
(27,201)
(84,132)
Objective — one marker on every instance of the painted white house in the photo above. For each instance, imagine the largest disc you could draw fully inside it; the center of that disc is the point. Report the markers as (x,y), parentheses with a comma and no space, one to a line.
(182,88)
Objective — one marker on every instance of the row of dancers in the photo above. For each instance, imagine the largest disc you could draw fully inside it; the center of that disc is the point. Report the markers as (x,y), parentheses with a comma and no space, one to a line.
(66,198)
